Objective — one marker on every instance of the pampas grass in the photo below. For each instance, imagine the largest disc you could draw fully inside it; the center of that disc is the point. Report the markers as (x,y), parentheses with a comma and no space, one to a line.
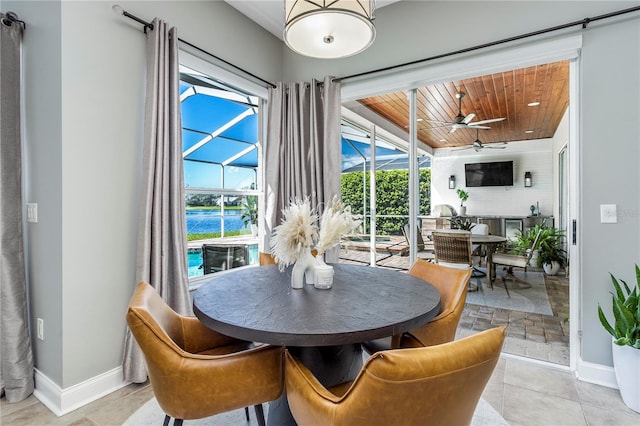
(296,233)
(336,220)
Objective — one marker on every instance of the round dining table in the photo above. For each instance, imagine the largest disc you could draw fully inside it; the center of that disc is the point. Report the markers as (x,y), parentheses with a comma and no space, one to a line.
(324,328)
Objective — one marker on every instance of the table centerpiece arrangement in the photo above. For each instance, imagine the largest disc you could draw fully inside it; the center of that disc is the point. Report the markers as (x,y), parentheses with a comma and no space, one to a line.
(292,241)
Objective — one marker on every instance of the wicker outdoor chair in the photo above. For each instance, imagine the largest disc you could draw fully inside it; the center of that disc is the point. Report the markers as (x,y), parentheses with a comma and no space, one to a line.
(452,248)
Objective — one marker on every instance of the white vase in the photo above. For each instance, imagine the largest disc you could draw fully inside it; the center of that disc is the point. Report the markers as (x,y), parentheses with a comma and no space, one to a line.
(463,211)
(626,363)
(551,268)
(323,274)
(303,269)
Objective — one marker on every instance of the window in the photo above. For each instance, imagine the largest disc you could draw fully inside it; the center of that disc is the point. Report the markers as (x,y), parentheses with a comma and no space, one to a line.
(221,154)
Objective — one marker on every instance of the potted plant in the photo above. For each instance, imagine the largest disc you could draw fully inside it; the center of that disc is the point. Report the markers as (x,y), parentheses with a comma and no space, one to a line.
(524,243)
(464,196)
(249,216)
(625,334)
(551,254)
(458,222)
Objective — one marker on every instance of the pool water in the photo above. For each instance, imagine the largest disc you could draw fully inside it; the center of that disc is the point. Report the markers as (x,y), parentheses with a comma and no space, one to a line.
(194,257)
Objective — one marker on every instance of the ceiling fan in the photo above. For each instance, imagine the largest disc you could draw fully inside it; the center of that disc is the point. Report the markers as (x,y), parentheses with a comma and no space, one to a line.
(479,146)
(462,122)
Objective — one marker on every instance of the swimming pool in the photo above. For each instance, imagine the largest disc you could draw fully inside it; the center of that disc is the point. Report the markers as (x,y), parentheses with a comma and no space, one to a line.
(194,256)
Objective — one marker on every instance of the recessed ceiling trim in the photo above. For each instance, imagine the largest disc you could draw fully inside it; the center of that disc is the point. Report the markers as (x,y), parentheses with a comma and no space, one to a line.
(512,57)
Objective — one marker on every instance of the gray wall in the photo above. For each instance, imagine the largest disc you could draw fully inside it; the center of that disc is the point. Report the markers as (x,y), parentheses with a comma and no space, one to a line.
(610,78)
(84,111)
(85,89)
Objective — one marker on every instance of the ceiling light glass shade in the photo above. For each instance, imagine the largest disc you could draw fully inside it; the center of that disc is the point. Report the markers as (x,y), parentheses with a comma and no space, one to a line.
(329,28)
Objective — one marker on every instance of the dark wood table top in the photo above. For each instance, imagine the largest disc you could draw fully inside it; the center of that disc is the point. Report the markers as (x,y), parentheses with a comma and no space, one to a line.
(365,303)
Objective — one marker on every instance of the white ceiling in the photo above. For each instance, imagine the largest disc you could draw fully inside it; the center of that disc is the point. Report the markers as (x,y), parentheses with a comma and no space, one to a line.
(269,14)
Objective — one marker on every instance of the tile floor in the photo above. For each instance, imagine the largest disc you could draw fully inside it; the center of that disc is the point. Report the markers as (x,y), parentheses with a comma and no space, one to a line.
(524,393)
(541,337)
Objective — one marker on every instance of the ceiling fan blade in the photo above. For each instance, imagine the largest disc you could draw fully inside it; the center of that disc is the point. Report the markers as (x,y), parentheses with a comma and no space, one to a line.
(491,120)
(494,147)
(463,148)
(468,118)
(453,129)
(475,126)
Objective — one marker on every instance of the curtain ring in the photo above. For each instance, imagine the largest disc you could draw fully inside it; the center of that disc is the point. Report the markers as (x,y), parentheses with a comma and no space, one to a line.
(10,18)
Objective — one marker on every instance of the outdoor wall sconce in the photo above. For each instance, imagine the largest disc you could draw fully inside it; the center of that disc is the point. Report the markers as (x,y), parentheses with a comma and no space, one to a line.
(527,180)
(452,182)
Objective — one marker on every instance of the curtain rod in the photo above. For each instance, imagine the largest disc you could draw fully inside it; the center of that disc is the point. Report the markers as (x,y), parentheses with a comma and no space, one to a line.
(118,10)
(584,22)
(10,18)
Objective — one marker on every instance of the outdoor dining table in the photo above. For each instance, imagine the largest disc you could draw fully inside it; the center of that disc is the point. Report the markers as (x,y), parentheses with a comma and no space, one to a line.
(490,242)
(324,328)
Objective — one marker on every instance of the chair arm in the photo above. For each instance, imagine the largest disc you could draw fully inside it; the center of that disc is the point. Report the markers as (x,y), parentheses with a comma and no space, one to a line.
(217,383)
(310,402)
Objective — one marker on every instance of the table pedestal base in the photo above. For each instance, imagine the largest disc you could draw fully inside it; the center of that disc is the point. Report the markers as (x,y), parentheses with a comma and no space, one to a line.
(332,365)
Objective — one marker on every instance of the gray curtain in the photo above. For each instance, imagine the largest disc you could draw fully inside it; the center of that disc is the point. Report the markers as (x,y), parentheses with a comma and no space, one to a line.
(162,235)
(16,358)
(303,148)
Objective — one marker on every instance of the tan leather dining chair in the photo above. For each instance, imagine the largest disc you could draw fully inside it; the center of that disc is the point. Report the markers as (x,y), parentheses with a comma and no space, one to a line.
(196,372)
(452,285)
(266,259)
(435,385)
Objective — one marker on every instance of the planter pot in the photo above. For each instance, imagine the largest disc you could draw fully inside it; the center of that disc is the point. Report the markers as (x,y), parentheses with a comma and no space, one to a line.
(626,363)
(254,230)
(462,211)
(534,259)
(551,268)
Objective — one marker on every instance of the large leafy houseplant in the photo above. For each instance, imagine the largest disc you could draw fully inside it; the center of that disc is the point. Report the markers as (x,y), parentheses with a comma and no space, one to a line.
(626,313)
(550,247)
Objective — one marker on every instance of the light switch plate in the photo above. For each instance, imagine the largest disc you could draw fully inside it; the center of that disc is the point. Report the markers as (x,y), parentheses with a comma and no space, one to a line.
(608,213)
(32,212)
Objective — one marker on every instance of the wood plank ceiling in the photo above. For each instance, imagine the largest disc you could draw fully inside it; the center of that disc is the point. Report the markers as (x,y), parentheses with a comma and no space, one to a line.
(505,94)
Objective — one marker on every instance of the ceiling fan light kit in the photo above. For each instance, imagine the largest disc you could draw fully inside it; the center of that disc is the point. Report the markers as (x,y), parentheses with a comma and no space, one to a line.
(464,122)
(329,28)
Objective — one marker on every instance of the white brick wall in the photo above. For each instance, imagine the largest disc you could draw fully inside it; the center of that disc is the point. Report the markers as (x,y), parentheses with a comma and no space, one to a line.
(529,156)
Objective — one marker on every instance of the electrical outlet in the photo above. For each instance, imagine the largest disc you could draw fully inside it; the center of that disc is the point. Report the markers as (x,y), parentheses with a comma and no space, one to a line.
(40,329)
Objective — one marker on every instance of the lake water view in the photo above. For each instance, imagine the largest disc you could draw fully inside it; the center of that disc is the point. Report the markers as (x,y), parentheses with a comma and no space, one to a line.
(206,221)
(203,221)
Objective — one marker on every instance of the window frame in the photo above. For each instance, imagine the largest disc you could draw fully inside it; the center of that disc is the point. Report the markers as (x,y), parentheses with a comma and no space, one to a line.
(235,81)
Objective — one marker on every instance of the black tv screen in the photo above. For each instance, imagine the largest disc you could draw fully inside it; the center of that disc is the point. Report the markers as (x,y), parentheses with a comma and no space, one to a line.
(497,173)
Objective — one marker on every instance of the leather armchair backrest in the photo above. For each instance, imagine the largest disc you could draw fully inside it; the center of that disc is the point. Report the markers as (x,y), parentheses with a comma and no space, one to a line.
(436,385)
(221,374)
(451,283)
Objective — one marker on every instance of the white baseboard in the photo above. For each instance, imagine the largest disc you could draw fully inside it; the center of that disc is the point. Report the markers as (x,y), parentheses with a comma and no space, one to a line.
(597,374)
(62,401)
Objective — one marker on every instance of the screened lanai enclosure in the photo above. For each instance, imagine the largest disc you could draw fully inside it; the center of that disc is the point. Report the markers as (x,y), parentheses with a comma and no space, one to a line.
(221,135)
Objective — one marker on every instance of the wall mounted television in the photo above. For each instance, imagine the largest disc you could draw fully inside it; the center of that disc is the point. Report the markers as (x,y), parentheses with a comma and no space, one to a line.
(497,173)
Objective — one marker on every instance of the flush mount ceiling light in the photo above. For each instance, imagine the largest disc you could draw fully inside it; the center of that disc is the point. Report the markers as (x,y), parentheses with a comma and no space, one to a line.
(329,28)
